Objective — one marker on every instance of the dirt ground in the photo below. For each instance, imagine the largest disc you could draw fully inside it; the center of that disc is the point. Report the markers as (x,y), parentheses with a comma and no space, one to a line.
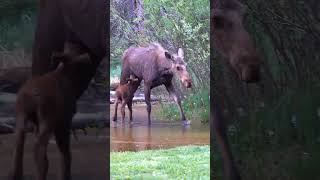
(89,156)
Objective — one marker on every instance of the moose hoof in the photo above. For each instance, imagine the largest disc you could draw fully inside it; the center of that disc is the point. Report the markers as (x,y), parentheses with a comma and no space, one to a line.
(186,122)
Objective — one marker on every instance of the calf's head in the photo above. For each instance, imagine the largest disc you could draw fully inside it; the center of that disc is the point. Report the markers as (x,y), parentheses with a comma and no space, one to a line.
(233,41)
(70,63)
(132,79)
(179,67)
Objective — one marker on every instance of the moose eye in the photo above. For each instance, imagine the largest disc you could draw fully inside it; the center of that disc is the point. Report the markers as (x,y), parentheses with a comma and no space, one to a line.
(179,68)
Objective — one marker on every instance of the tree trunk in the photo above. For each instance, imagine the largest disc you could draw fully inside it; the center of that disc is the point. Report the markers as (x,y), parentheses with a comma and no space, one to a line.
(136,15)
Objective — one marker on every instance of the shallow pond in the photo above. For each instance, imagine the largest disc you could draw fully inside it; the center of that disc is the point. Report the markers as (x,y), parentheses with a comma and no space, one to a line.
(161,134)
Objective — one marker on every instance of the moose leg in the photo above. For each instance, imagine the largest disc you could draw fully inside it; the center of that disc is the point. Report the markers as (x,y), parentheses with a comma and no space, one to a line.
(17,164)
(231,172)
(123,110)
(129,103)
(147,93)
(63,142)
(40,151)
(115,109)
(172,92)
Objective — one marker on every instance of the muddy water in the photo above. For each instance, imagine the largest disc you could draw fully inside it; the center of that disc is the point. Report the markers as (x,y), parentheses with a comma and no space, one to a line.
(161,134)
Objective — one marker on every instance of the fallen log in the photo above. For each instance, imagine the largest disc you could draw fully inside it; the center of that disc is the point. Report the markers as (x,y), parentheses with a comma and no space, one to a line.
(80,121)
(137,98)
(12,79)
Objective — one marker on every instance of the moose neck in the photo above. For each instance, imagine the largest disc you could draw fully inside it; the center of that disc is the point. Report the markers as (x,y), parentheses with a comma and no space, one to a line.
(131,88)
(73,79)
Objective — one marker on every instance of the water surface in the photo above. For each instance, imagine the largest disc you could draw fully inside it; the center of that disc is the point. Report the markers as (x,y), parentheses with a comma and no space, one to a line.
(161,134)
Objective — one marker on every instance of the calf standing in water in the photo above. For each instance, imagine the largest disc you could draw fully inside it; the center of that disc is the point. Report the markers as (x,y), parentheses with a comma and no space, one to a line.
(45,101)
(124,94)
(156,67)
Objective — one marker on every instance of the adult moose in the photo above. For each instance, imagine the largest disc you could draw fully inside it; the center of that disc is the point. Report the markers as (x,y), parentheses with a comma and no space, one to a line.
(81,22)
(156,67)
(234,43)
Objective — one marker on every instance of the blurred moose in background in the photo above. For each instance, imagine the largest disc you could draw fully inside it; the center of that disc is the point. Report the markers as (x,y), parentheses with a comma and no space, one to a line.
(233,42)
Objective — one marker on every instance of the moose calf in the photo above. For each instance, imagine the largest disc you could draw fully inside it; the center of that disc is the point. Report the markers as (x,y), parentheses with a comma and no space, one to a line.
(124,94)
(48,102)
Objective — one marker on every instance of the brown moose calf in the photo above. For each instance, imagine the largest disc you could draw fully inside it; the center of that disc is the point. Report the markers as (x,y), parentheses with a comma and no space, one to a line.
(48,102)
(124,94)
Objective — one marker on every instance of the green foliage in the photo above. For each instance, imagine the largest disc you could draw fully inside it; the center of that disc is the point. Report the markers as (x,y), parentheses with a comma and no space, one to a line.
(173,24)
(189,162)
(195,105)
(17,23)
(115,69)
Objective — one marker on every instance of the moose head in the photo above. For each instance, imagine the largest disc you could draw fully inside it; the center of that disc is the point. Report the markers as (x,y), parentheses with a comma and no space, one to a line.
(233,41)
(179,67)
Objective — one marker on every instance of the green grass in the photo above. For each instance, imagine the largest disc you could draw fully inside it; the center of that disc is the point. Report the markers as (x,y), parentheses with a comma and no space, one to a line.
(188,162)
(195,105)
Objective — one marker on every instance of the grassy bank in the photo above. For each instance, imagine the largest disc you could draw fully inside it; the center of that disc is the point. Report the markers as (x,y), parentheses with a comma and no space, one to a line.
(188,162)
(195,105)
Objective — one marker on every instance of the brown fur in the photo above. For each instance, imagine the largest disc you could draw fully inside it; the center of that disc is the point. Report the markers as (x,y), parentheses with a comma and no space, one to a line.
(156,67)
(45,101)
(81,22)
(124,94)
(232,40)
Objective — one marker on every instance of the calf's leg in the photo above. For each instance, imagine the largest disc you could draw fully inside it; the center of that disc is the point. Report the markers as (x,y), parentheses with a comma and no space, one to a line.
(16,171)
(115,110)
(40,151)
(62,136)
(123,110)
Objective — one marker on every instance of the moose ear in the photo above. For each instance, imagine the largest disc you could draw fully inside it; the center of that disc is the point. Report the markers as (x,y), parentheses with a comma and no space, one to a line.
(83,58)
(168,55)
(180,52)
